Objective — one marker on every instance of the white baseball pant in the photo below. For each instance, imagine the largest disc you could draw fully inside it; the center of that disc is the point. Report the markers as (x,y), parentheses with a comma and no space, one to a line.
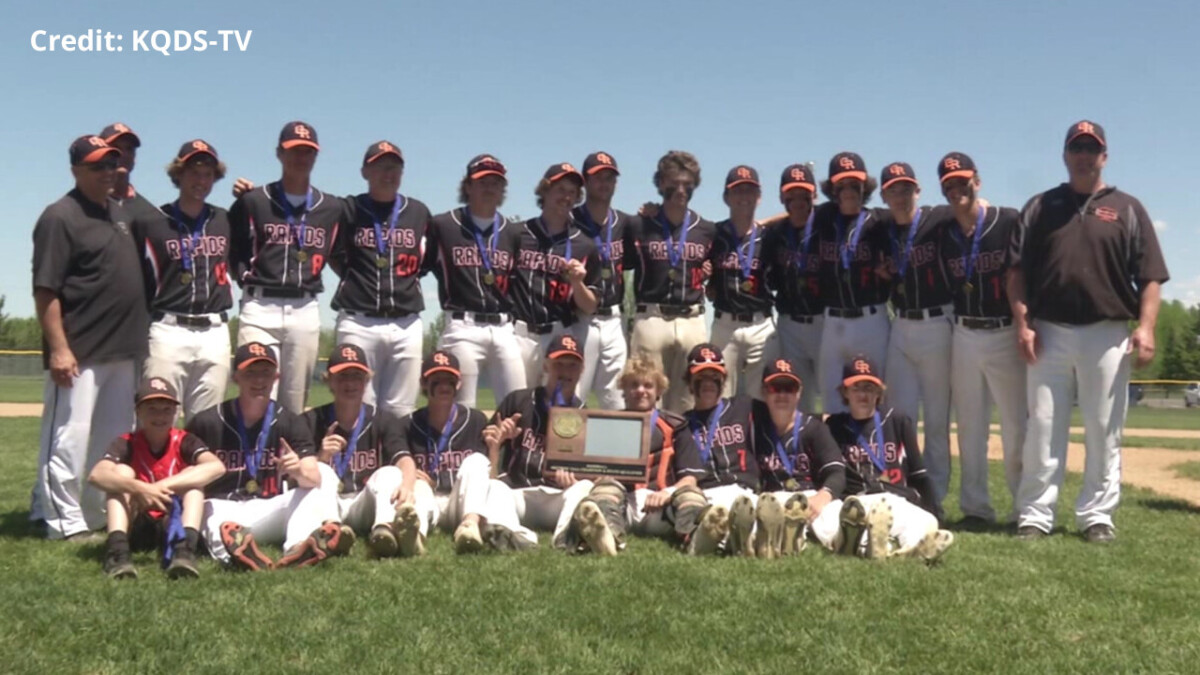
(1093,360)
(533,349)
(393,348)
(292,328)
(194,360)
(468,494)
(647,523)
(910,523)
(604,354)
(843,339)
(800,342)
(744,347)
(666,342)
(479,344)
(524,510)
(78,424)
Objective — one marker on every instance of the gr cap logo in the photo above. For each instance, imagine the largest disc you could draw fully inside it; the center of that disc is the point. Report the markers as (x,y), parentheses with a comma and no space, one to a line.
(846,163)
(797,174)
(441,359)
(743,172)
(896,170)
(862,367)
(348,354)
(386,147)
(258,350)
(158,384)
(603,158)
(567,167)
(783,366)
(200,146)
(952,164)
(96,141)
(121,127)
(570,343)
(708,354)
(301,131)
(1085,128)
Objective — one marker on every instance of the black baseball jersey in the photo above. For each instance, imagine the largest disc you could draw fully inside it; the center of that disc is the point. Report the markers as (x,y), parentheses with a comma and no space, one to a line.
(219,429)
(671,430)
(987,295)
(658,248)
(726,443)
(1086,257)
(456,257)
(610,237)
(271,252)
(810,460)
(522,459)
(793,267)
(539,290)
(851,249)
(379,259)
(379,443)
(185,260)
(85,254)
(923,283)
(738,280)
(441,456)
(134,204)
(903,471)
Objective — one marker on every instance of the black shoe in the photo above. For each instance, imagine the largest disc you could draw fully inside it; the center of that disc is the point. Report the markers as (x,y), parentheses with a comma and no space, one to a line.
(1030,533)
(1100,534)
(183,565)
(119,566)
(976,524)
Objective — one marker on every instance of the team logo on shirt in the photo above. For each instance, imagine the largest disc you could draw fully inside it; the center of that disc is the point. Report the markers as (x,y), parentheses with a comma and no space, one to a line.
(1107,214)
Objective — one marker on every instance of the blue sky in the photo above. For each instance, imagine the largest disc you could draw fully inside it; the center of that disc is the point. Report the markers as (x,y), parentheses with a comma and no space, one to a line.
(537,83)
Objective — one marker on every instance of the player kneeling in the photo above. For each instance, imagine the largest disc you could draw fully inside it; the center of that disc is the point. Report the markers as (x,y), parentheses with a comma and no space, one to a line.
(803,474)
(155,480)
(893,510)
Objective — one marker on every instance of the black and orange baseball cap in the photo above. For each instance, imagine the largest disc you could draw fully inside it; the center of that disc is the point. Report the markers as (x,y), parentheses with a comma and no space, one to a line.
(195,147)
(706,356)
(897,172)
(1086,128)
(557,172)
(485,165)
(600,161)
(798,176)
(381,149)
(562,346)
(847,165)
(860,369)
(253,352)
(780,369)
(741,174)
(955,165)
(440,362)
(155,388)
(346,356)
(116,130)
(90,150)
(296,134)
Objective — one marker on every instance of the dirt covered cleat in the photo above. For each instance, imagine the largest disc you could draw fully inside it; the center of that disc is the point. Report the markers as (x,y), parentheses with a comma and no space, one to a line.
(741,528)
(769,524)
(183,565)
(243,550)
(467,538)
(118,565)
(853,524)
(796,515)
(933,546)
(1031,533)
(593,528)
(319,545)
(346,540)
(408,531)
(500,538)
(713,529)
(879,531)
(1100,533)
(382,541)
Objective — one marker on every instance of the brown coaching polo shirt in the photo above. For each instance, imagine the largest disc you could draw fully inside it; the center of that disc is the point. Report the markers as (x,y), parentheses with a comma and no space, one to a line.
(1086,257)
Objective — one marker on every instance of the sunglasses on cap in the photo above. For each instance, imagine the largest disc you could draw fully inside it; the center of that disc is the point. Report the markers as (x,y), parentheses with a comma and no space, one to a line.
(787,387)
(1085,146)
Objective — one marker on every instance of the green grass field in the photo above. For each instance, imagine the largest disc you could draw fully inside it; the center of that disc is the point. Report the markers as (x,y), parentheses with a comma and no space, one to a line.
(1190,470)
(995,605)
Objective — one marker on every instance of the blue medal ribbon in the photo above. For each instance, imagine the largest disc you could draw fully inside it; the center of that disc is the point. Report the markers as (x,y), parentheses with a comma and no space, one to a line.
(674,251)
(976,238)
(802,249)
(260,443)
(342,461)
(485,252)
(780,450)
(876,452)
(902,263)
(291,218)
(566,253)
(175,535)
(187,253)
(558,401)
(706,441)
(605,248)
(435,450)
(380,239)
(850,246)
(745,261)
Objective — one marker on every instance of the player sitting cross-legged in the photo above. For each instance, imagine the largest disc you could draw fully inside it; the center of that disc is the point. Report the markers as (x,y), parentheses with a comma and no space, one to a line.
(155,479)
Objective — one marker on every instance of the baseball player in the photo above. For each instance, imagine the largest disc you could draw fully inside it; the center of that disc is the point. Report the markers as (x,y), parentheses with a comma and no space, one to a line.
(122,138)
(282,235)
(853,245)
(91,305)
(378,256)
(604,346)
(445,440)
(185,259)
(274,489)
(472,252)
(918,354)
(793,262)
(986,366)
(1085,262)
(800,464)
(536,498)
(889,508)
(669,255)
(154,478)
(743,323)
(557,271)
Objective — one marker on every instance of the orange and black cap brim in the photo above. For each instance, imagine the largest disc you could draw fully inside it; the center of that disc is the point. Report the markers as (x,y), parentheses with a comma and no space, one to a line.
(441,369)
(855,379)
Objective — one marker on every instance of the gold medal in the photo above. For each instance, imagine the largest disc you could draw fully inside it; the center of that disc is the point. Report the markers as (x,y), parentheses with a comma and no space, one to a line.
(672,274)
(747,286)
(969,287)
(185,278)
(489,278)
(302,256)
(381,262)
(252,486)
(606,273)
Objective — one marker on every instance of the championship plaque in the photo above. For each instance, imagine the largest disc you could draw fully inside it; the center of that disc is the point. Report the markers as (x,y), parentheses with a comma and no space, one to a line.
(599,443)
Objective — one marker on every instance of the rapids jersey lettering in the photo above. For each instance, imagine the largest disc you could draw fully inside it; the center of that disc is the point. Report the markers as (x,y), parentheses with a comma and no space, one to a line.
(610,291)
(540,291)
(455,260)
(857,285)
(727,253)
(217,428)
(419,440)
(988,295)
(903,472)
(924,284)
(792,270)
(378,442)
(731,456)
(270,253)
(673,454)
(367,287)
(650,258)
(165,236)
(816,459)
(522,459)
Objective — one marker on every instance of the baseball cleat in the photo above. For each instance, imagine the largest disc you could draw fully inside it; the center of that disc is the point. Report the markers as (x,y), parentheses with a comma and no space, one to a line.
(243,550)
(593,527)
(382,542)
(741,527)
(408,531)
(500,538)
(183,565)
(770,527)
(467,538)
(346,540)
(853,524)
(796,515)
(714,528)
(119,566)
(1100,534)
(879,530)
(317,547)
(933,546)
(1030,533)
